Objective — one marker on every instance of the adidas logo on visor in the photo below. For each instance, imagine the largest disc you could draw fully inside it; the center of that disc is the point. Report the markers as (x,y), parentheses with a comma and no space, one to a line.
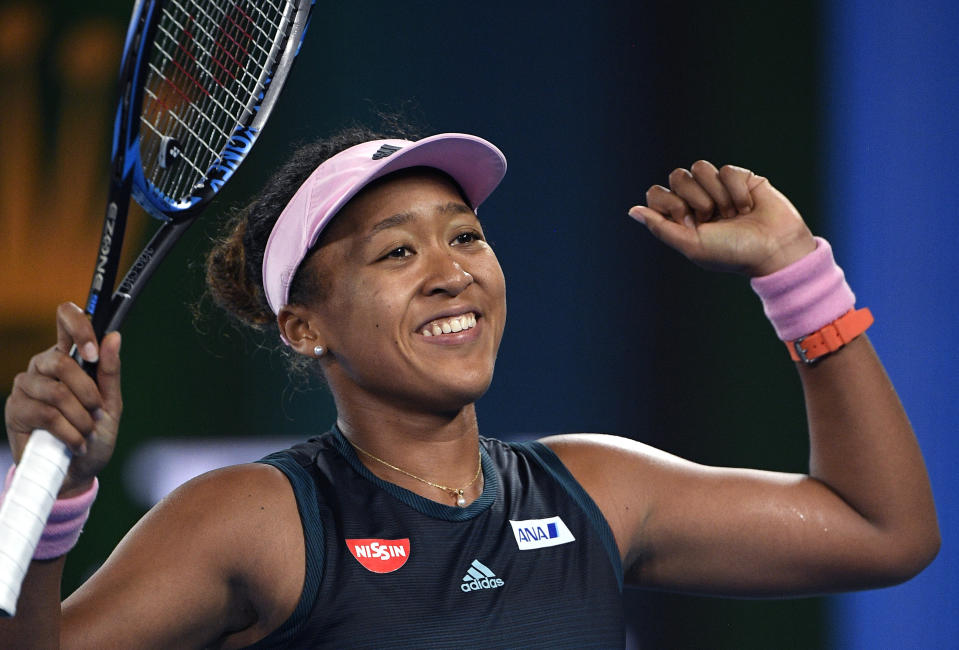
(479,577)
(385,150)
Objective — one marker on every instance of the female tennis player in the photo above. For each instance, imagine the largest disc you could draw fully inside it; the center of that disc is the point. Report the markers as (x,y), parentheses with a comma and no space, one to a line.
(403,526)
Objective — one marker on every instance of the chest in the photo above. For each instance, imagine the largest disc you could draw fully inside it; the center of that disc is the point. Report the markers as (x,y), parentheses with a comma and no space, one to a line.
(529,571)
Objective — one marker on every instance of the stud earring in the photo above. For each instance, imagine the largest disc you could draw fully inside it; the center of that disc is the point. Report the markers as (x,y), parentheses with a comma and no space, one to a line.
(319,351)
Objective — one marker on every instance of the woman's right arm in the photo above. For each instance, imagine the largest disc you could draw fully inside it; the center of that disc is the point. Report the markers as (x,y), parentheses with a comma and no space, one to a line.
(220,562)
(57,395)
(199,569)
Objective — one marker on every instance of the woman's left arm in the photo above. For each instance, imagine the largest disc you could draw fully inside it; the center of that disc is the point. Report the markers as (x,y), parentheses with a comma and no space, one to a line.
(863,517)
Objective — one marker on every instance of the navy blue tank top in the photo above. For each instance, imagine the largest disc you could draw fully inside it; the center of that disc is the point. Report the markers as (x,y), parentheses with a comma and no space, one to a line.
(530,563)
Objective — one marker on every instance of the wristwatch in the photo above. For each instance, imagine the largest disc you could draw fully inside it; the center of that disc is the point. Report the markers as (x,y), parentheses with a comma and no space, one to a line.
(828,339)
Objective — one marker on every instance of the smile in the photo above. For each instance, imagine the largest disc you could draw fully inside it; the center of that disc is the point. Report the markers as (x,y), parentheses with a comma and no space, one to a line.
(449,325)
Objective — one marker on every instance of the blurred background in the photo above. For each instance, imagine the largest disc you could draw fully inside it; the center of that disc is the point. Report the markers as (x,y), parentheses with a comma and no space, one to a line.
(848,107)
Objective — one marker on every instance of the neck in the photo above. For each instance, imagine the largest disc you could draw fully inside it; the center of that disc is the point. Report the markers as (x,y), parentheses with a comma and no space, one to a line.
(441,448)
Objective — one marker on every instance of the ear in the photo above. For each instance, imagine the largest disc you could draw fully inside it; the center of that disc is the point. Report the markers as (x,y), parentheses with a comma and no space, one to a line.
(299,325)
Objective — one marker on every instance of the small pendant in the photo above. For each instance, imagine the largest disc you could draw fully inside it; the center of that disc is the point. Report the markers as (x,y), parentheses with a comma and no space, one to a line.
(460,499)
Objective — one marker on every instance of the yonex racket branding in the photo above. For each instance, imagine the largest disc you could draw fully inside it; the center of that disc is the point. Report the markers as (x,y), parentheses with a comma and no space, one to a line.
(233,154)
(540,533)
(380,555)
(170,152)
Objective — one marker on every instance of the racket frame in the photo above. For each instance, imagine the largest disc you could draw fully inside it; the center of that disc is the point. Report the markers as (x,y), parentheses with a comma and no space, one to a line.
(45,460)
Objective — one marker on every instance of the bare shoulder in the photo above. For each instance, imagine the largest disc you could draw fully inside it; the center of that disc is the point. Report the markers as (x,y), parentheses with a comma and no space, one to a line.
(229,498)
(221,560)
(250,505)
(618,474)
(591,456)
(635,486)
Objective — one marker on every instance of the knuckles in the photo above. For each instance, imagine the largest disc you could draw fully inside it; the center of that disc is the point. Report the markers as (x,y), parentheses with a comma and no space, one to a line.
(702,167)
(655,191)
(62,364)
(19,381)
(727,172)
(60,395)
(678,176)
(47,417)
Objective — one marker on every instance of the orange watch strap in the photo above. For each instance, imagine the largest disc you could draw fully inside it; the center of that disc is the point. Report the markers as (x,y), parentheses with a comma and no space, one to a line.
(830,338)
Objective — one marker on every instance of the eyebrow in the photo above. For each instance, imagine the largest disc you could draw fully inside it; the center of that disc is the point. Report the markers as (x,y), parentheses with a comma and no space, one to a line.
(403,218)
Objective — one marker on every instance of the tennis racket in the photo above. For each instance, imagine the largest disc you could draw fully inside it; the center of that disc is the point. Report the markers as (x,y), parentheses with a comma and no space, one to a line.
(198,80)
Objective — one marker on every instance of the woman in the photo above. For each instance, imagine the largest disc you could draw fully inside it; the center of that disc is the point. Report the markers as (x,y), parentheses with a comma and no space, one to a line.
(402,526)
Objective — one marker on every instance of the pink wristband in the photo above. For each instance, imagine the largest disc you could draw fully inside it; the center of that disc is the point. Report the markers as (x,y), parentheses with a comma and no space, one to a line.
(805,296)
(65,522)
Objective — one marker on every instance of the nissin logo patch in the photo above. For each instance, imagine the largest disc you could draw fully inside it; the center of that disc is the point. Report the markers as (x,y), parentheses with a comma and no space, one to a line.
(380,555)
(539,533)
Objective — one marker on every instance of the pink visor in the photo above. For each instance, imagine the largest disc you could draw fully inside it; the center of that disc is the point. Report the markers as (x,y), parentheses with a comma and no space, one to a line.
(475,164)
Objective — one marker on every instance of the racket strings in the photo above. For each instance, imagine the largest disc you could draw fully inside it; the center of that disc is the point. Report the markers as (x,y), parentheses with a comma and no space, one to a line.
(177,80)
(208,68)
(220,54)
(227,51)
(201,49)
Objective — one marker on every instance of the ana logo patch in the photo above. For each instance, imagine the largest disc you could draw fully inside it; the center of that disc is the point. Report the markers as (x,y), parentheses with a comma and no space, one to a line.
(539,533)
(380,555)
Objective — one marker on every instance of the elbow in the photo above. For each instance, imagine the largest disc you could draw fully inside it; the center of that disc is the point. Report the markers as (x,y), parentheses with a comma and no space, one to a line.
(906,557)
(923,545)
(924,552)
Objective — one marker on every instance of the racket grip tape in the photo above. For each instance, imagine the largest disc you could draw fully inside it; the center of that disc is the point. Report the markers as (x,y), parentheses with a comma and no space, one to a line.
(25,509)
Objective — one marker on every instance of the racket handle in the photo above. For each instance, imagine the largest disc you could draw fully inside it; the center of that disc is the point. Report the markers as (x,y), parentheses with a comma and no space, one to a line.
(25,509)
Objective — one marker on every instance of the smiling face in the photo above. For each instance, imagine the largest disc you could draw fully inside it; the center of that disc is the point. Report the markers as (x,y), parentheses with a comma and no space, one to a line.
(413,302)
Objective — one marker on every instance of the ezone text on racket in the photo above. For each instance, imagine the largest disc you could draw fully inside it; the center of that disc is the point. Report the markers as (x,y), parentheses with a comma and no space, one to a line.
(103,257)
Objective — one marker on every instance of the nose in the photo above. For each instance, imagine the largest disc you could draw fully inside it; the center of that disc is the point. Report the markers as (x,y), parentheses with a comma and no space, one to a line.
(446,275)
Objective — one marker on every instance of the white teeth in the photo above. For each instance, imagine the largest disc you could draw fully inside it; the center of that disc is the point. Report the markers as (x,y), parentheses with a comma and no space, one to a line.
(450,326)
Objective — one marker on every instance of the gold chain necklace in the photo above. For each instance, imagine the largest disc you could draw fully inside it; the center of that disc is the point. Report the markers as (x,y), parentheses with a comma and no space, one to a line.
(456,493)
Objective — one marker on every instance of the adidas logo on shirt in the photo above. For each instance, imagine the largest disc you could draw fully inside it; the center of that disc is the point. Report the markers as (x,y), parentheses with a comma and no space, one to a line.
(480,577)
